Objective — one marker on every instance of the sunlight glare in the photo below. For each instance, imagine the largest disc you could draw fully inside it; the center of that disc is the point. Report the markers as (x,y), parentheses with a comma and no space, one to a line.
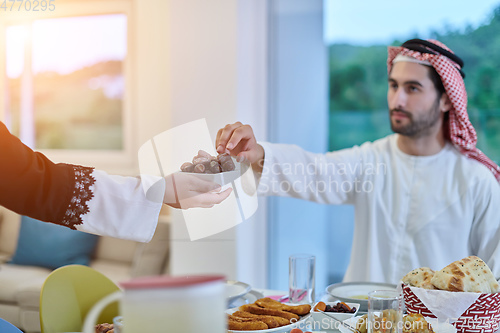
(15,43)
(64,45)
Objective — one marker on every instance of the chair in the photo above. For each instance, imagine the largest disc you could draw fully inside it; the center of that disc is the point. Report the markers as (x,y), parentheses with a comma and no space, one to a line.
(68,293)
(6,327)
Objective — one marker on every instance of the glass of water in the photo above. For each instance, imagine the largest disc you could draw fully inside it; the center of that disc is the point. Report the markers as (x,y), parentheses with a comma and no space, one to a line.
(385,311)
(301,278)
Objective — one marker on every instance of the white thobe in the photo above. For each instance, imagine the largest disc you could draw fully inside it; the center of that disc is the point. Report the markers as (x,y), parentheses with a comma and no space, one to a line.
(410,211)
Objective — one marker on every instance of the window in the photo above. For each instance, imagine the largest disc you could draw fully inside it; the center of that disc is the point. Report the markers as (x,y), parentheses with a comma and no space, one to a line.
(66,76)
(358,77)
(68,94)
(358,33)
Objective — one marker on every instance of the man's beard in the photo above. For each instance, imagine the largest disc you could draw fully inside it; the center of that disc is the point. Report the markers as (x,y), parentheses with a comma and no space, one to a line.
(417,127)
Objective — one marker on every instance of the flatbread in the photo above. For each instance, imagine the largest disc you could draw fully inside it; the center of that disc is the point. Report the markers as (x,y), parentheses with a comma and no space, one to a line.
(470,274)
(420,277)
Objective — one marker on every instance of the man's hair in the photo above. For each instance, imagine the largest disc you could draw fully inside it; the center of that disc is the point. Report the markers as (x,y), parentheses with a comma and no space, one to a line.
(436,79)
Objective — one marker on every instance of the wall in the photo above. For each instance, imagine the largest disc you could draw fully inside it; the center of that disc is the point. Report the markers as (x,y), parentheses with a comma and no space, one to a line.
(219,63)
(203,79)
(298,115)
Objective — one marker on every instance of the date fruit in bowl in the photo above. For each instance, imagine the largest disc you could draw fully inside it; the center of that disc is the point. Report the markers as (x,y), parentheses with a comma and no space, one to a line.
(219,169)
(206,163)
(339,310)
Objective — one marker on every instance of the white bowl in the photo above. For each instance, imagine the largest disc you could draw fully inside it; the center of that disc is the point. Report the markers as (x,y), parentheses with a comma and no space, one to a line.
(236,289)
(221,178)
(356,292)
(322,321)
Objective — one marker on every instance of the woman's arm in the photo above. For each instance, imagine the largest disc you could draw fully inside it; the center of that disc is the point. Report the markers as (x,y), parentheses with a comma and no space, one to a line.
(32,185)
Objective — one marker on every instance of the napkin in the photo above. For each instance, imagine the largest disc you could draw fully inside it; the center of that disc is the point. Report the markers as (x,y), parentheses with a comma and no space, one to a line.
(285,300)
(277,297)
(445,305)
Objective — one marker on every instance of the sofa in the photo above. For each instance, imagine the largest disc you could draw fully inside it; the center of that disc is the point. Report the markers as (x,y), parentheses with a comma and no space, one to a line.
(118,259)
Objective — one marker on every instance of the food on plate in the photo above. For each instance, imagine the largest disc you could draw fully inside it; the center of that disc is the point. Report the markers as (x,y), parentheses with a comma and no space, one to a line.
(340,307)
(416,323)
(321,306)
(271,321)
(206,163)
(245,324)
(387,323)
(420,277)
(255,309)
(361,324)
(470,274)
(265,311)
(104,328)
(270,303)
(298,330)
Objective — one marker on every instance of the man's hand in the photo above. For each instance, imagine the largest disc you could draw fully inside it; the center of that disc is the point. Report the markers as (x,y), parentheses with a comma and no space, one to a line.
(239,141)
(185,191)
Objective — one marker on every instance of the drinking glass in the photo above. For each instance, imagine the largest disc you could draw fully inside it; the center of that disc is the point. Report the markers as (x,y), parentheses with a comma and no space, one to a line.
(301,278)
(385,311)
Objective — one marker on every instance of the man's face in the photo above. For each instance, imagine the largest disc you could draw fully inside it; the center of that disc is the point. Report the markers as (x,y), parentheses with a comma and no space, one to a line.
(415,109)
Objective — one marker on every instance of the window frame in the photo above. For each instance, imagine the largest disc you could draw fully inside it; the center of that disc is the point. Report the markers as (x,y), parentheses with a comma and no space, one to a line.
(103,159)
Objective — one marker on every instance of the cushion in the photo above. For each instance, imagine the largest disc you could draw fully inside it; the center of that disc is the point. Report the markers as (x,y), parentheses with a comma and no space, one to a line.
(9,231)
(50,245)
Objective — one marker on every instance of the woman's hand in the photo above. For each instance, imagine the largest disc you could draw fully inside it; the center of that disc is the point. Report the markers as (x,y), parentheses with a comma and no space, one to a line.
(183,190)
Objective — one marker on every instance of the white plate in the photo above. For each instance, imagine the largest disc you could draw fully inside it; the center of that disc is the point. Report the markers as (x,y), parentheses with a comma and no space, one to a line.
(236,289)
(303,324)
(351,292)
(248,298)
(436,327)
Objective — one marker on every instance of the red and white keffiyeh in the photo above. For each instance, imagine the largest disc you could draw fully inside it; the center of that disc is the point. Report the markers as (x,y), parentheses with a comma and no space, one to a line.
(461,132)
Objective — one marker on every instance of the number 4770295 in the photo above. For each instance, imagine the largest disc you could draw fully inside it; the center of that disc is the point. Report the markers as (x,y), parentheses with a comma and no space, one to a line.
(27,5)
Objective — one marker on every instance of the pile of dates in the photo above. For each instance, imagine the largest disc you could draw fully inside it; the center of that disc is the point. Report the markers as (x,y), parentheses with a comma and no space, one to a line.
(339,307)
(206,163)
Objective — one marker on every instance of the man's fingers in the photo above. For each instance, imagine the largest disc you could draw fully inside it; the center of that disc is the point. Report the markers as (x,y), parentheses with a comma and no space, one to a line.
(240,136)
(225,135)
(243,157)
(217,140)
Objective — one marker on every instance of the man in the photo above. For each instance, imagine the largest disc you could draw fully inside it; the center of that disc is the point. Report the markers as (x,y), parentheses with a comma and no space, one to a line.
(424,196)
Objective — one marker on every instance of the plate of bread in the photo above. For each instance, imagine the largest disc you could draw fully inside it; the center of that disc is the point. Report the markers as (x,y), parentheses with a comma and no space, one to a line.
(465,292)
(470,274)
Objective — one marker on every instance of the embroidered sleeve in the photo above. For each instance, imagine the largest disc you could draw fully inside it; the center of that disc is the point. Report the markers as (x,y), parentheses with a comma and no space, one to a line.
(82,193)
